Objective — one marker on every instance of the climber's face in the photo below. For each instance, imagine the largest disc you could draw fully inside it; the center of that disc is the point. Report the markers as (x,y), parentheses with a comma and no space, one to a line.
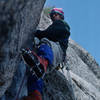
(56,17)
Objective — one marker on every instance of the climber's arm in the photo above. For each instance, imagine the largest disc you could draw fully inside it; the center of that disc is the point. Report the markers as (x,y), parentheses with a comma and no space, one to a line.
(55,32)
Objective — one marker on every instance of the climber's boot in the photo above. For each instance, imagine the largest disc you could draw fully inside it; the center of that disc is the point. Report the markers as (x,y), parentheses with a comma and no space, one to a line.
(37,64)
(36,95)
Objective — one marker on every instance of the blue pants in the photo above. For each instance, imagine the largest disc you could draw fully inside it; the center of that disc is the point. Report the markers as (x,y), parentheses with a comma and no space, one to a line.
(46,52)
(34,84)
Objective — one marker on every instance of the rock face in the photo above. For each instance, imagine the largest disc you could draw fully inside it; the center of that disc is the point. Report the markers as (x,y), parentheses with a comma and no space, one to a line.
(81,82)
(18,20)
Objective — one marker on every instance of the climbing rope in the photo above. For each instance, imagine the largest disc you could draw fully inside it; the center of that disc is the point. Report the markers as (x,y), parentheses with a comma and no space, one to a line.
(21,85)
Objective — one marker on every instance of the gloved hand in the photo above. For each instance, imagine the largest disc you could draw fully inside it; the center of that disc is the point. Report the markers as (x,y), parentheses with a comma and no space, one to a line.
(36,41)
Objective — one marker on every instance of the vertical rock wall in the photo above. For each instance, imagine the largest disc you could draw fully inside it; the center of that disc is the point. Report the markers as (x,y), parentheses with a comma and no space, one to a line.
(18,20)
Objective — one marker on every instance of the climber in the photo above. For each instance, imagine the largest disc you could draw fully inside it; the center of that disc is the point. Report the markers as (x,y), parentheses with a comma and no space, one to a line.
(50,52)
(54,38)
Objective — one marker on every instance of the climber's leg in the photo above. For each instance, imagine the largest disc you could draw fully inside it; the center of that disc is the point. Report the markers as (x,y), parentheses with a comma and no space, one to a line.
(35,88)
(56,51)
(34,84)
